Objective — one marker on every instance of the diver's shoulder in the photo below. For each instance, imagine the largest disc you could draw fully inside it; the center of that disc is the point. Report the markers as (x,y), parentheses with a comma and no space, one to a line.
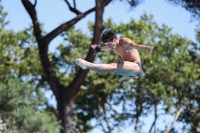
(124,38)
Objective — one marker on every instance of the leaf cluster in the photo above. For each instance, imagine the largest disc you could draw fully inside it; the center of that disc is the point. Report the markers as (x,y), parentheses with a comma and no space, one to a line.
(170,78)
(22,109)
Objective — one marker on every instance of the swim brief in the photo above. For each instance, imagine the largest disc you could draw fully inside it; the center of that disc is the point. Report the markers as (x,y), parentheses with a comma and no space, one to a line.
(140,66)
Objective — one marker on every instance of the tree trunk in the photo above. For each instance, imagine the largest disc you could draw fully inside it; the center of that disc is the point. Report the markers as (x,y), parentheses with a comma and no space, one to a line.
(65,110)
(136,125)
(65,96)
(155,117)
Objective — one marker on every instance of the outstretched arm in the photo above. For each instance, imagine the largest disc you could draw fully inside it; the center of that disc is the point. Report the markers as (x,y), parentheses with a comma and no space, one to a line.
(104,48)
(137,46)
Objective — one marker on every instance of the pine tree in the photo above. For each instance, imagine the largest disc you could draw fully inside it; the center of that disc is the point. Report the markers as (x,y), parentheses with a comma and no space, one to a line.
(22,109)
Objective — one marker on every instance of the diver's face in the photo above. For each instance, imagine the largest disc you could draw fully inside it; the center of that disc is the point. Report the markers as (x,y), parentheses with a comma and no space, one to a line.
(111,44)
(108,43)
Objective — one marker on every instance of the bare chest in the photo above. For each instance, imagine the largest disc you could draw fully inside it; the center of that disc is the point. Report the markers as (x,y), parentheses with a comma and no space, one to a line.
(128,54)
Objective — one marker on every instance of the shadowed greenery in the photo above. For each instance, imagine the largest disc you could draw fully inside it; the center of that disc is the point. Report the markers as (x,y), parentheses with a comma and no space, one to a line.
(170,77)
(171,80)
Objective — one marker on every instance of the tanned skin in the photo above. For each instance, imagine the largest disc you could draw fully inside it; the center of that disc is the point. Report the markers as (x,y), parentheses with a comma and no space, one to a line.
(127,50)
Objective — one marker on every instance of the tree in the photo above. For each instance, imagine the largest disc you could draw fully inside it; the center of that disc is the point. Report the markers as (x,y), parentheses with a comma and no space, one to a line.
(171,74)
(116,102)
(17,53)
(171,59)
(65,93)
(22,109)
(22,106)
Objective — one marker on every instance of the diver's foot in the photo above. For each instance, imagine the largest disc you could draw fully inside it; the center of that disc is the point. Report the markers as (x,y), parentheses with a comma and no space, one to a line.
(81,63)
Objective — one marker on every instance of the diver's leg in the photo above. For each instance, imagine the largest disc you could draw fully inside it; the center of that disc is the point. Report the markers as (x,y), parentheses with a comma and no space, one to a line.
(124,68)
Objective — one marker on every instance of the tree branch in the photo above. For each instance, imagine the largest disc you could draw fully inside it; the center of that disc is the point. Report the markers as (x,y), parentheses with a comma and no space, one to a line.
(175,119)
(35,3)
(134,2)
(66,26)
(43,50)
(106,118)
(101,124)
(106,2)
(138,113)
(74,10)
(155,117)
(74,4)
(136,125)
(78,80)
(32,13)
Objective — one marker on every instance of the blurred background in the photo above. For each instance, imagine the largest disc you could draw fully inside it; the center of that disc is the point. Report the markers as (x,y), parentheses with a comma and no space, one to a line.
(42,90)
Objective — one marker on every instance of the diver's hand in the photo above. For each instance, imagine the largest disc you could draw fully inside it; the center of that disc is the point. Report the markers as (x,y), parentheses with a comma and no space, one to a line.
(97,48)
(94,46)
(149,49)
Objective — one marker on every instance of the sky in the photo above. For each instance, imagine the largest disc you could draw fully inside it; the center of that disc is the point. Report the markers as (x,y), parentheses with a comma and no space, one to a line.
(55,12)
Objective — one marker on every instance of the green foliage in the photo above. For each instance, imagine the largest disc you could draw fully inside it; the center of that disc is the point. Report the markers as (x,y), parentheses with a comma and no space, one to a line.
(75,45)
(171,79)
(169,73)
(3,15)
(19,56)
(22,109)
(170,76)
(171,69)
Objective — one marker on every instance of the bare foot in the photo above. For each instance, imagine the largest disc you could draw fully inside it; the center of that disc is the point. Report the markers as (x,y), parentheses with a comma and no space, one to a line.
(81,63)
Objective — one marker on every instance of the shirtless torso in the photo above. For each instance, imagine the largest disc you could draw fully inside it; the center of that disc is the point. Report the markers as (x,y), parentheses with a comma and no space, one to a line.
(127,50)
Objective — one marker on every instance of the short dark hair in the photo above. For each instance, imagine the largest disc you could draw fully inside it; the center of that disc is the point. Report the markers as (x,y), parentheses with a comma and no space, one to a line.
(108,36)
